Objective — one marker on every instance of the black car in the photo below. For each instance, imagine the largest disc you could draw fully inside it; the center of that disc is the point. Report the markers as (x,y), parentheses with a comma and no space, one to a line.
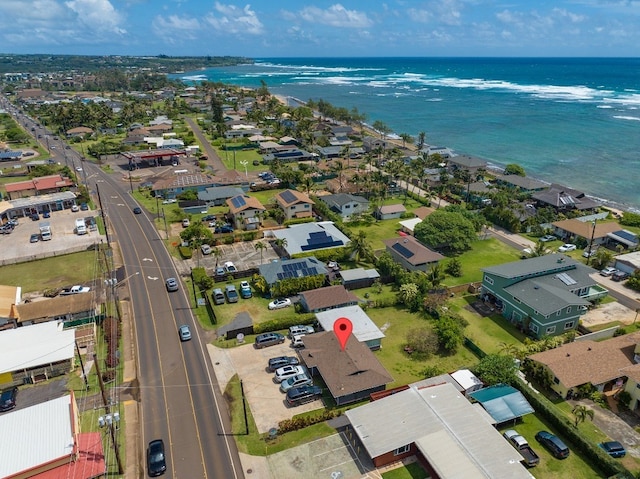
(553,443)
(209,218)
(8,399)
(156,462)
(619,276)
(137,210)
(223,229)
(280,361)
(303,394)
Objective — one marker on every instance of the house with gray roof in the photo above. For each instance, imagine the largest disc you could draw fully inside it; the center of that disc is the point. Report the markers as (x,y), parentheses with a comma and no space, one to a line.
(411,254)
(450,436)
(218,195)
(357,278)
(345,204)
(291,268)
(543,296)
(563,198)
(390,212)
(465,162)
(308,237)
(523,184)
(364,329)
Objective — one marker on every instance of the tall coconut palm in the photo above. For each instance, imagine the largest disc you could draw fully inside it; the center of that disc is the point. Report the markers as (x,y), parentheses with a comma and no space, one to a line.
(260,246)
(581,413)
(360,246)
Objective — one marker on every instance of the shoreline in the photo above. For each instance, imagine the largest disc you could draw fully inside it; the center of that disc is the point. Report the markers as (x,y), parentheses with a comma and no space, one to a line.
(613,206)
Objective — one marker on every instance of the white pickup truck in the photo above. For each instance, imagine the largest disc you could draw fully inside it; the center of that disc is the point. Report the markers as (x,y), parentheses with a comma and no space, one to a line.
(75,290)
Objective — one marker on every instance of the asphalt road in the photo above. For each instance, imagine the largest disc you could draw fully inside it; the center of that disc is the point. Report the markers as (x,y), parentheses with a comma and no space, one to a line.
(181,401)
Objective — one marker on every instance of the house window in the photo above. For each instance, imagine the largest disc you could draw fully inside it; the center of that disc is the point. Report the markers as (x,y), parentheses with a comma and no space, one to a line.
(488,279)
(569,309)
(556,380)
(568,325)
(517,300)
(402,450)
(306,207)
(534,328)
(558,313)
(550,330)
(346,207)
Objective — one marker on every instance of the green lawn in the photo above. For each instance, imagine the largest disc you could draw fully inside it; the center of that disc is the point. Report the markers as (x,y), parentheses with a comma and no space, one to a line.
(410,471)
(574,467)
(60,271)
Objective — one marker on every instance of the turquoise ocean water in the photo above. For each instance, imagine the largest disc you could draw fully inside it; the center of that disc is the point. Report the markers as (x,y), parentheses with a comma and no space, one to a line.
(571,121)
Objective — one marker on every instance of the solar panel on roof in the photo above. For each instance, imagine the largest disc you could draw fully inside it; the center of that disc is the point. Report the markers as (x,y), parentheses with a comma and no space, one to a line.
(280,276)
(313,271)
(288,196)
(403,250)
(566,279)
(238,201)
(628,235)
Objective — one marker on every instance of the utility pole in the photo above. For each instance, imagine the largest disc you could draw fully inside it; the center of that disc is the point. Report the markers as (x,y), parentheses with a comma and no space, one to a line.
(109,422)
(84,373)
(104,220)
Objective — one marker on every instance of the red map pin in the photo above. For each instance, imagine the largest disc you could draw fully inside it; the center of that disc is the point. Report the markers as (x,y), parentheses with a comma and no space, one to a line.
(342,328)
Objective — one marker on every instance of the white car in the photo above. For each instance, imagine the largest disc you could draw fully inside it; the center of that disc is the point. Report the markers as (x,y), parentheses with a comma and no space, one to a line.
(285,372)
(206,249)
(567,247)
(608,271)
(546,238)
(168,202)
(230,267)
(280,303)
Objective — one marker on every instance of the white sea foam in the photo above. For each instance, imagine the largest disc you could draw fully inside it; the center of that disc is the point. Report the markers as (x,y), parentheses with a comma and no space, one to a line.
(194,78)
(314,68)
(625,117)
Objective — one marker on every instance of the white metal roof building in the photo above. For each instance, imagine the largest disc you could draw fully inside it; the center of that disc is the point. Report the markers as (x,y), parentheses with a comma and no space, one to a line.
(364,329)
(37,435)
(44,345)
(445,429)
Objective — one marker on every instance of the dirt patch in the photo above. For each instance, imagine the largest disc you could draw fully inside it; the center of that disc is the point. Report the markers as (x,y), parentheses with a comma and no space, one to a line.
(608,313)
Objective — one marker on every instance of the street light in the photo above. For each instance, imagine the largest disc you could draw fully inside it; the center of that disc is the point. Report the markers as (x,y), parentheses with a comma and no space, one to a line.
(593,233)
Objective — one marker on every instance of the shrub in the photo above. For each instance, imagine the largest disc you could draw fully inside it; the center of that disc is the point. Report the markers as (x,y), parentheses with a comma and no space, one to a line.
(185,252)
(296,423)
(283,323)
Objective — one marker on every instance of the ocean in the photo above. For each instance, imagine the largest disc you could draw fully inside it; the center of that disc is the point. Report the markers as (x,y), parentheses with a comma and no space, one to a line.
(574,121)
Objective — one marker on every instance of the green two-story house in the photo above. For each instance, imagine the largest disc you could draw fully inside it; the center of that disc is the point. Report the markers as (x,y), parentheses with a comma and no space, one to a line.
(543,296)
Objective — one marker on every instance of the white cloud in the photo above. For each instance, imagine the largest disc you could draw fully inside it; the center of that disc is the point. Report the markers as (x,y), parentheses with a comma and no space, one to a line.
(174,26)
(336,16)
(98,15)
(234,20)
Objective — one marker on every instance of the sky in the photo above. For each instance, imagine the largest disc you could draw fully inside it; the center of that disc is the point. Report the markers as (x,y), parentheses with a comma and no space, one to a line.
(314,28)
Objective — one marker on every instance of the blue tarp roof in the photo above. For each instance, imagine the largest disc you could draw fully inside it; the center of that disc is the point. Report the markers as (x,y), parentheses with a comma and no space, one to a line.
(503,403)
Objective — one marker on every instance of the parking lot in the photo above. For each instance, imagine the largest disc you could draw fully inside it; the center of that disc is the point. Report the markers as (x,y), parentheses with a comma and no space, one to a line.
(16,247)
(267,403)
(243,255)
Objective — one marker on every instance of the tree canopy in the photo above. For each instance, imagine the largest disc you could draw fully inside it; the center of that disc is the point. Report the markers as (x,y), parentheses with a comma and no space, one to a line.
(496,369)
(448,230)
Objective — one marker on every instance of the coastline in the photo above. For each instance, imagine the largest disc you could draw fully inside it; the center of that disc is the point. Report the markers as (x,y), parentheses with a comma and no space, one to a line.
(613,206)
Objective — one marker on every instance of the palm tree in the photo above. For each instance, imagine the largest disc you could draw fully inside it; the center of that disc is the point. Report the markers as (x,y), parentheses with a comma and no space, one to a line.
(421,139)
(217,253)
(260,246)
(406,138)
(360,246)
(338,167)
(435,275)
(280,243)
(308,184)
(581,413)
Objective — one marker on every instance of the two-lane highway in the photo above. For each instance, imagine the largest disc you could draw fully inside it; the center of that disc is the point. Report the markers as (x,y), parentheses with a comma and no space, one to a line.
(181,402)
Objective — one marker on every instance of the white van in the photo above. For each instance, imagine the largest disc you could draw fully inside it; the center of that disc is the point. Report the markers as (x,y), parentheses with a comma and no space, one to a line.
(81,228)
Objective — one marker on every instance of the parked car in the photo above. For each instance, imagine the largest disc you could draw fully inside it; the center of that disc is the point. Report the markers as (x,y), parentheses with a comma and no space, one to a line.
(300,329)
(35,237)
(245,290)
(230,267)
(171,284)
(169,201)
(608,271)
(231,293)
(565,248)
(613,448)
(546,238)
(295,382)
(280,303)
(186,222)
(589,253)
(156,461)
(298,341)
(553,443)
(218,296)
(184,332)
(268,339)
(220,271)
(75,208)
(206,249)
(281,361)
(619,276)
(8,399)
(35,217)
(286,372)
(297,396)
(209,218)
(224,229)
(84,207)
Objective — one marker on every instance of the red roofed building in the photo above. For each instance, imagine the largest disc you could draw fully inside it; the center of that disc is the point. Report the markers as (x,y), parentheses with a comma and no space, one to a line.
(38,186)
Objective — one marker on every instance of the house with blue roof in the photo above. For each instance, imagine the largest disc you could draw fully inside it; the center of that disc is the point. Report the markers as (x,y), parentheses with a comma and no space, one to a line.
(345,204)
(544,296)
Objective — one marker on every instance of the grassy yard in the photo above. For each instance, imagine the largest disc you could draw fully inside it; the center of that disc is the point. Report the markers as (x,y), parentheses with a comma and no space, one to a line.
(410,471)
(61,271)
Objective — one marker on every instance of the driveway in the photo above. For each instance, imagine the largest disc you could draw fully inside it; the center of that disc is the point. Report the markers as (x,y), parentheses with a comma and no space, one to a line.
(243,255)
(267,403)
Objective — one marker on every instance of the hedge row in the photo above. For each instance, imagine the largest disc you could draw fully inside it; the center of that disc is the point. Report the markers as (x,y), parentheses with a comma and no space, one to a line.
(283,323)
(294,424)
(593,452)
